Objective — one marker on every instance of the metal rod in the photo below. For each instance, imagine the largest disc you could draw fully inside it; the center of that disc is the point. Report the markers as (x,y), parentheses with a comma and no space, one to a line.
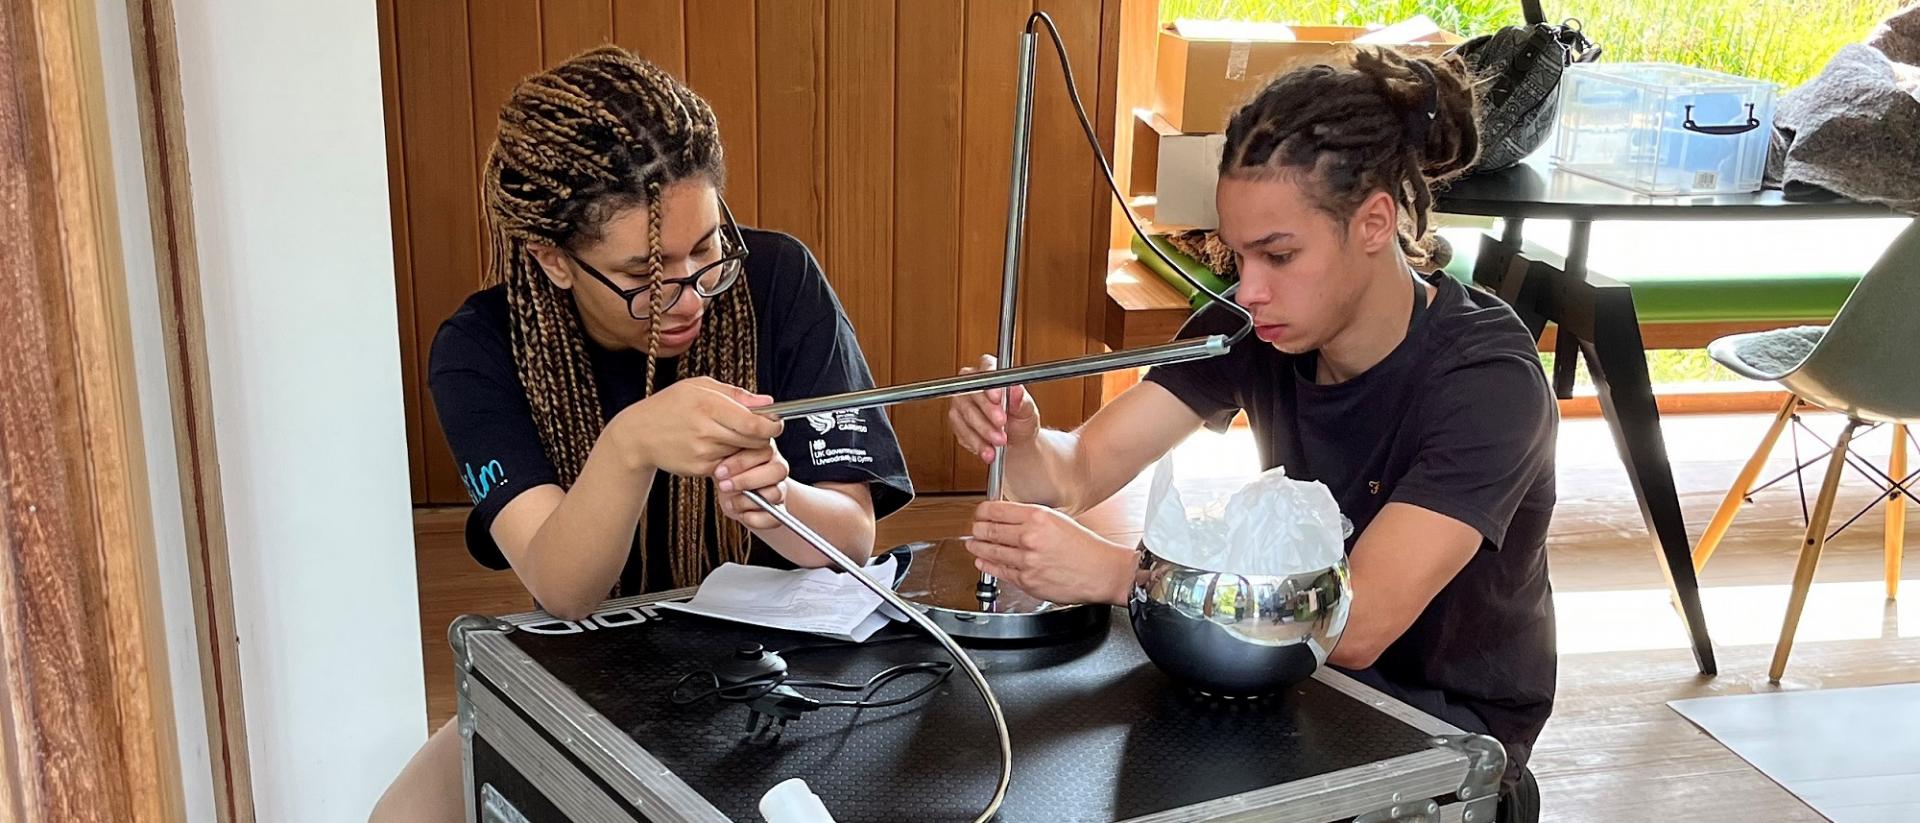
(1016,231)
(1511,233)
(1010,264)
(1195,349)
(913,613)
(1797,469)
(1579,238)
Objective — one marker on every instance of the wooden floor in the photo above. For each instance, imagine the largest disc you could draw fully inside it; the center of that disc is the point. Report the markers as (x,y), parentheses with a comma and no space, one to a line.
(1613,750)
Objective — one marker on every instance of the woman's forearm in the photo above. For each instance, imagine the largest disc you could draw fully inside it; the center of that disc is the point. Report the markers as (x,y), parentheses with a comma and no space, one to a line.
(844,521)
(577,555)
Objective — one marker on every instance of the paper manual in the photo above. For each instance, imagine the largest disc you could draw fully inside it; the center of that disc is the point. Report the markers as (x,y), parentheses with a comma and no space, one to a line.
(818,601)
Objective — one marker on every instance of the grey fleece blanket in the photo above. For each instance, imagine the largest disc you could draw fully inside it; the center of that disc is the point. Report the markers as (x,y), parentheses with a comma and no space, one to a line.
(1854,131)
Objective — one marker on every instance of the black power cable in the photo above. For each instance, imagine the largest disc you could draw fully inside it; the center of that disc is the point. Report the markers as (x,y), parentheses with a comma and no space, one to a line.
(1093,140)
(760,679)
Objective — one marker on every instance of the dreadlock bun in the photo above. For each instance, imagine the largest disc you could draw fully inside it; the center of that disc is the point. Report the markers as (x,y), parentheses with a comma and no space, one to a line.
(1387,122)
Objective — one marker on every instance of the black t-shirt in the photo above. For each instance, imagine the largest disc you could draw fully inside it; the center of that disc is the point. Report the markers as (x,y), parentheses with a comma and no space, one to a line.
(806,349)
(1458,420)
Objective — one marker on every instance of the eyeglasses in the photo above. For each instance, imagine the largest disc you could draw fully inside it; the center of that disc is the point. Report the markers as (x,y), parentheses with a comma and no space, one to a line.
(710,281)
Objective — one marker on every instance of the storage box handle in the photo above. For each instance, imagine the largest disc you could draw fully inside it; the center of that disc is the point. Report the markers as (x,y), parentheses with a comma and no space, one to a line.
(1731,128)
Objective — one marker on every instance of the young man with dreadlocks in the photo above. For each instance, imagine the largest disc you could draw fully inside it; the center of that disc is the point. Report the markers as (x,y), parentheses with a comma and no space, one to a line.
(1419,403)
(600,398)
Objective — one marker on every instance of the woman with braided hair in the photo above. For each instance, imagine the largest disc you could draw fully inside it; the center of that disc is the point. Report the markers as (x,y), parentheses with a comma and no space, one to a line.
(1420,404)
(599,398)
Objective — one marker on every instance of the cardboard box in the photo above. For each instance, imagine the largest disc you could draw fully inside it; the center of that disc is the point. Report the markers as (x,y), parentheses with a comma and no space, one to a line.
(1200,81)
(1182,169)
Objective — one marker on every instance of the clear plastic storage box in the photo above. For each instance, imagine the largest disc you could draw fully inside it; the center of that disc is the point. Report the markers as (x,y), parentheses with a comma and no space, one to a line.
(1662,129)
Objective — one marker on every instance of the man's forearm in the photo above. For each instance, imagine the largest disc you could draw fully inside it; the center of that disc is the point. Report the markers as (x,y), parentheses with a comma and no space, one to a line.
(1047,471)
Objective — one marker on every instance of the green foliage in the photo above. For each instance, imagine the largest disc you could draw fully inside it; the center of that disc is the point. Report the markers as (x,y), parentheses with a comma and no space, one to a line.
(1785,41)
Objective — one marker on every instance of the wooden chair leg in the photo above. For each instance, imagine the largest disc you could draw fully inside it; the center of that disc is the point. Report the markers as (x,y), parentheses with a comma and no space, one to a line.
(1810,548)
(1737,493)
(1896,511)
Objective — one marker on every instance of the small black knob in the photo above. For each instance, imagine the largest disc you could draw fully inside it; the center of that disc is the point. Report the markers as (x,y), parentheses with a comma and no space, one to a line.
(749,662)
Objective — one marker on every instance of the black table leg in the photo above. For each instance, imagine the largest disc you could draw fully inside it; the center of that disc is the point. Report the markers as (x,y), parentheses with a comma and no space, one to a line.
(1503,267)
(1617,360)
(1597,312)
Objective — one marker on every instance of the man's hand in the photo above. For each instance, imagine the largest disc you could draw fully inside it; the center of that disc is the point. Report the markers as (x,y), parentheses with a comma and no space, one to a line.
(1049,555)
(761,469)
(980,423)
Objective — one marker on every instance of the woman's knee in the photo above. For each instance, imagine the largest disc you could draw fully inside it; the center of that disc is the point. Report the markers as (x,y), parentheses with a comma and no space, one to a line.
(430,788)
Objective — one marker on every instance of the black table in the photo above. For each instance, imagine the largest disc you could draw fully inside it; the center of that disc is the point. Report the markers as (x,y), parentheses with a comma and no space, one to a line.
(1595,318)
(565,720)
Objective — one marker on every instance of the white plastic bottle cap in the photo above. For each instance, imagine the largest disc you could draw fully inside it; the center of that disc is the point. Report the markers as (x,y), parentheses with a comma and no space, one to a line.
(793,802)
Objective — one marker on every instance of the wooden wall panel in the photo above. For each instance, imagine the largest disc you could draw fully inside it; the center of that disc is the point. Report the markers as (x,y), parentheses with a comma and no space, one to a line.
(1136,47)
(1054,313)
(502,52)
(876,131)
(992,69)
(505,54)
(926,219)
(567,27)
(791,69)
(1118,23)
(411,379)
(720,72)
(860,121)
(654,29)
(442,196)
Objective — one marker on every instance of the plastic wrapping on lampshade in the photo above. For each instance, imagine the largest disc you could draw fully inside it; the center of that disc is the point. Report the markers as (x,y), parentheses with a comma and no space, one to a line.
(1274,525)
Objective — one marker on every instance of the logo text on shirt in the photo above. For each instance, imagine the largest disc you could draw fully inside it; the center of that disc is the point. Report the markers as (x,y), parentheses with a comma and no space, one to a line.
(846,421)
(824,455)
(479,483)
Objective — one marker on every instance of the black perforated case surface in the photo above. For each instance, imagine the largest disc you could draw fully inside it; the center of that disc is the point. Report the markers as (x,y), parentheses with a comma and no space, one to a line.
(575,717)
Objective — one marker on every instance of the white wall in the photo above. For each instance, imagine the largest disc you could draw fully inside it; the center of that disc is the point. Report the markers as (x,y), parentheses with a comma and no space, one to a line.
(285,140)
(156,413)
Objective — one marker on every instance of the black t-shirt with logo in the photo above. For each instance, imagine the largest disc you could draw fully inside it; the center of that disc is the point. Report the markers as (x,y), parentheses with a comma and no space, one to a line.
(1458,420)
(806,349)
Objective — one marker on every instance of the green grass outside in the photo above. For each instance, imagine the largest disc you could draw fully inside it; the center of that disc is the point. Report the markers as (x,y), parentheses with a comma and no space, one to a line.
(1785,41)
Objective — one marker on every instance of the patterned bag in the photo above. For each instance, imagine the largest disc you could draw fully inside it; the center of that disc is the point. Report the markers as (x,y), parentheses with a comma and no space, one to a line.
(1518,70)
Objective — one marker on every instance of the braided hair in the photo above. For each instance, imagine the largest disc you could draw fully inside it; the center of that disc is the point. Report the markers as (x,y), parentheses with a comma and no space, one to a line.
(601,133)
(1387,123)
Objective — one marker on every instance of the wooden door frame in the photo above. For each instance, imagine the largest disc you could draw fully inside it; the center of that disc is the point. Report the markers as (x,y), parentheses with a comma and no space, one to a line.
(163,141)
(86,716)
(87,731)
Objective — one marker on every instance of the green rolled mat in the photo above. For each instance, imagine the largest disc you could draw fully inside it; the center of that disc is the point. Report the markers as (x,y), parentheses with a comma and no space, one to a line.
(1680,296)
(1192,267)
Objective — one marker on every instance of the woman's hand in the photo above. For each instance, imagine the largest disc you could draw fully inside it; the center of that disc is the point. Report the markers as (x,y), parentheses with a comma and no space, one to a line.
(762,470)
(689,427)
(979,423)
